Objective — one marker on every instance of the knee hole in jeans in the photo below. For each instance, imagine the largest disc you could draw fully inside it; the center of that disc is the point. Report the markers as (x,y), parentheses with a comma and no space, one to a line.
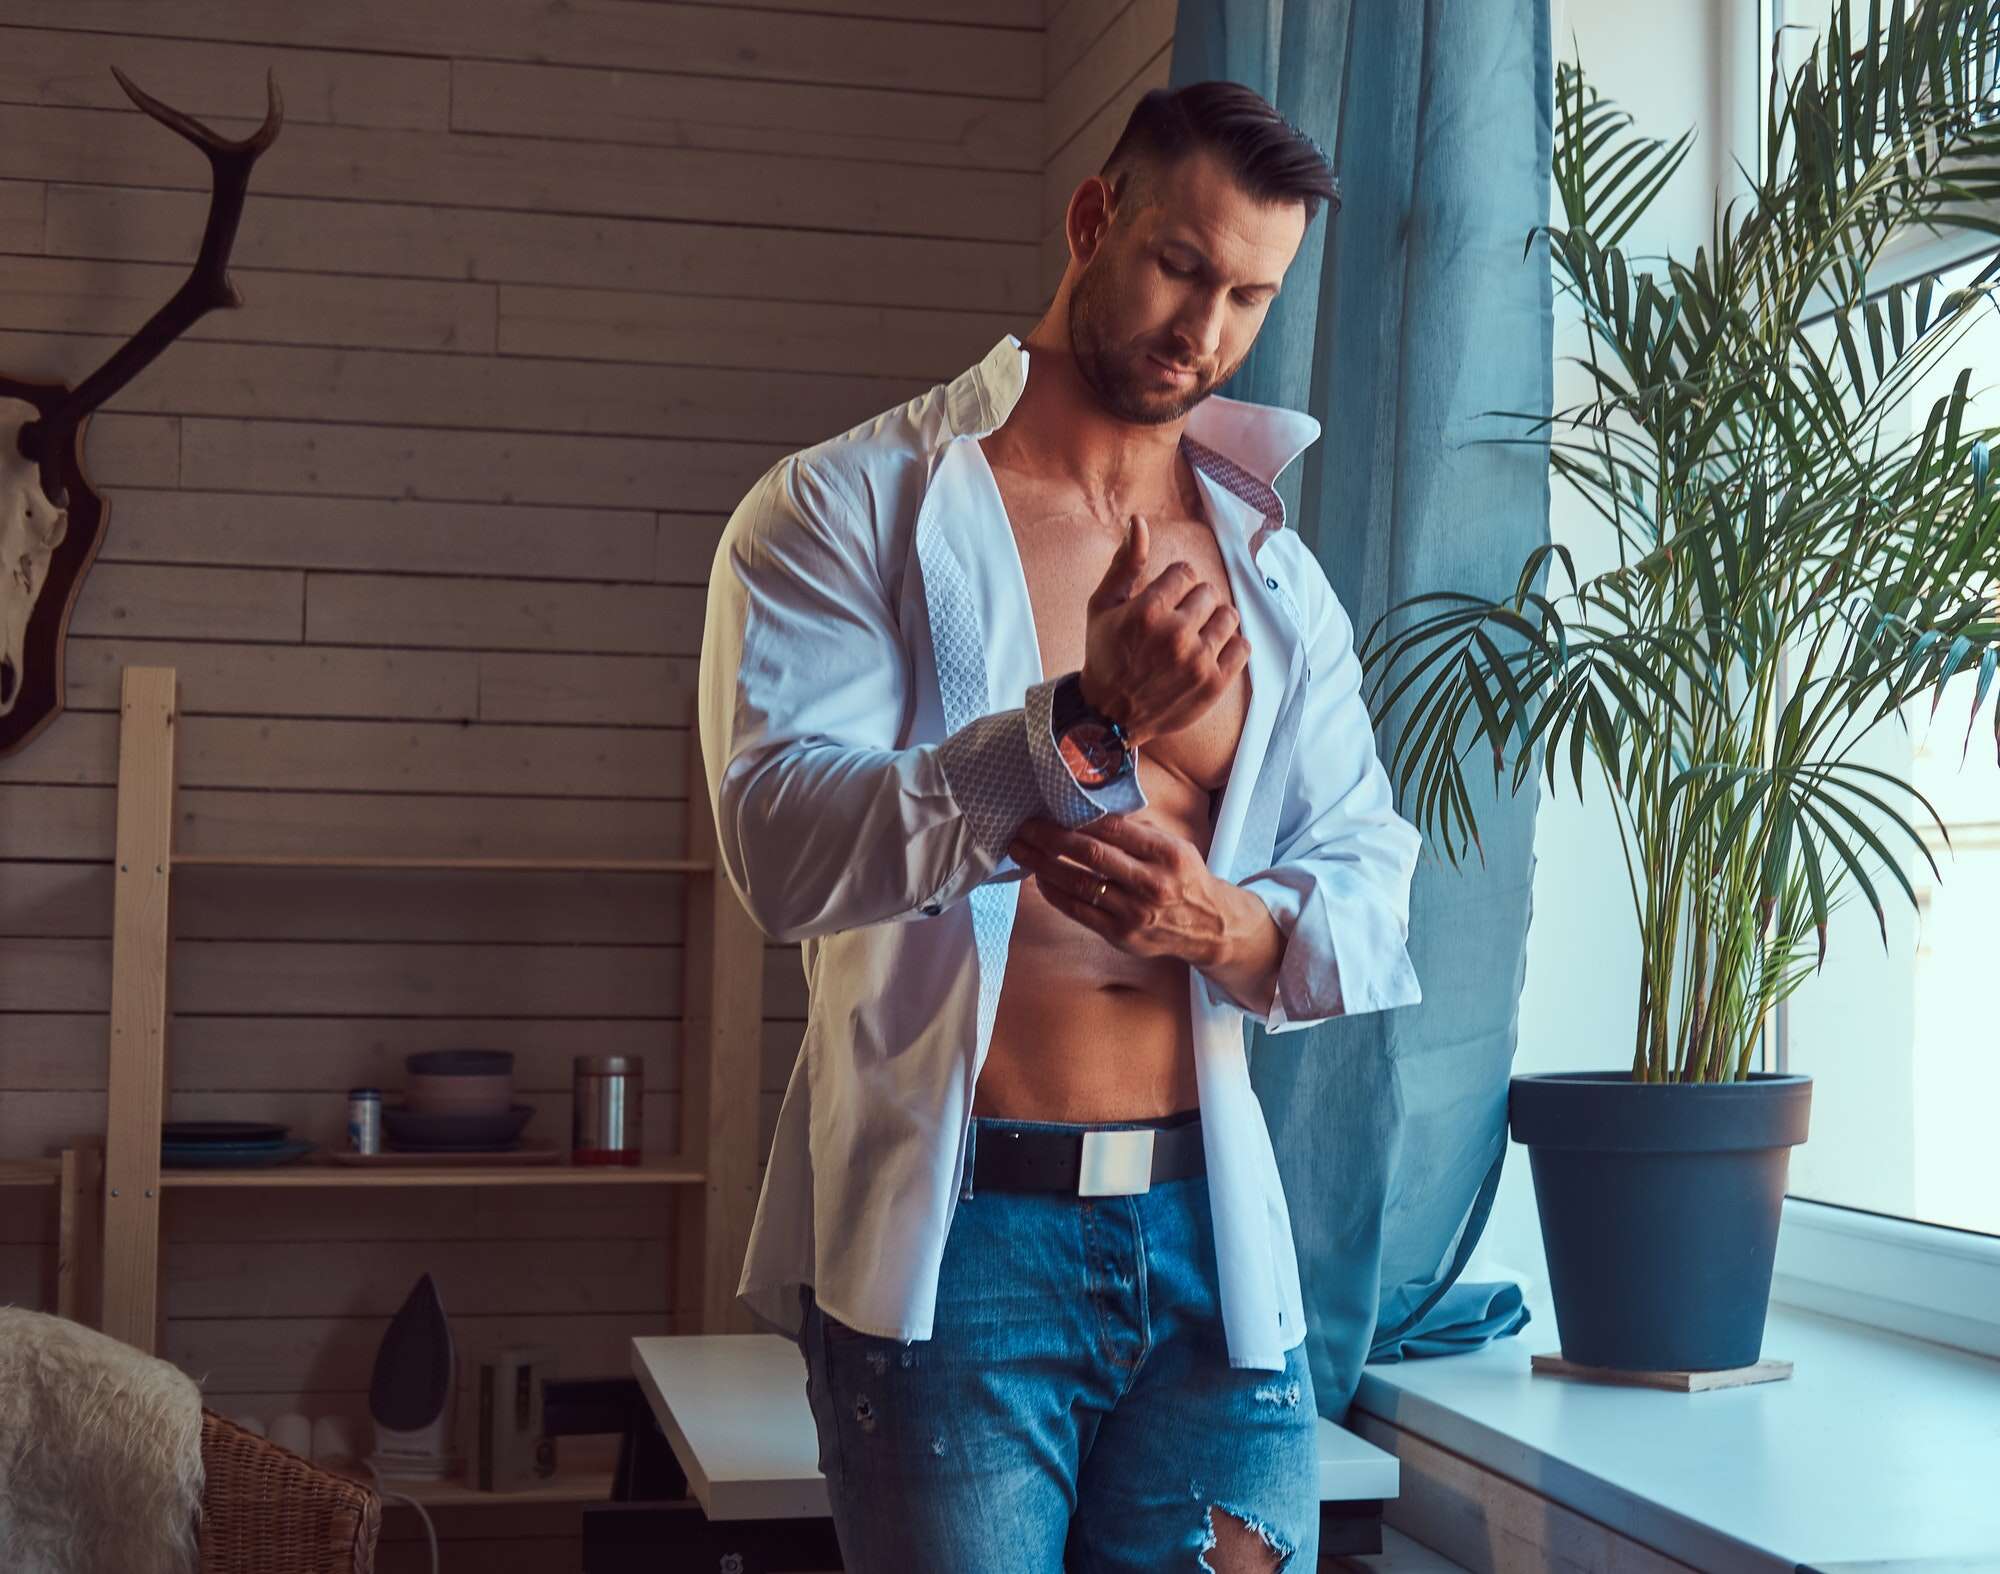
(1238,1544)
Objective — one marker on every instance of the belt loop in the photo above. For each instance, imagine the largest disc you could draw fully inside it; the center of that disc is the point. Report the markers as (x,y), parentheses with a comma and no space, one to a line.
(971,1147)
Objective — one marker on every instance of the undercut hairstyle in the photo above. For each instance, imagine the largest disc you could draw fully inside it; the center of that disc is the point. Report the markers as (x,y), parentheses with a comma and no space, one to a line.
(1269,156)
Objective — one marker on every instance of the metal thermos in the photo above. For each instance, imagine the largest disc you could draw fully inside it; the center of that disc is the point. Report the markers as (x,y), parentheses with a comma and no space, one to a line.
(364,1120)
(605,1118)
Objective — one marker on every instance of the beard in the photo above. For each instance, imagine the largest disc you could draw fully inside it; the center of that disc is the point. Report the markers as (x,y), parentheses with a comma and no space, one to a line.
(1120,374)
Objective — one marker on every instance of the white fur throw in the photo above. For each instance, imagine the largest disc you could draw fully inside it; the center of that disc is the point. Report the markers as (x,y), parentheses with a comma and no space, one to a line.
(100,1453)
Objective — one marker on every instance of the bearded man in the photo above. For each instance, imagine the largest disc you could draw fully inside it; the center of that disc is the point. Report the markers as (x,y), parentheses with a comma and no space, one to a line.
(1024,711)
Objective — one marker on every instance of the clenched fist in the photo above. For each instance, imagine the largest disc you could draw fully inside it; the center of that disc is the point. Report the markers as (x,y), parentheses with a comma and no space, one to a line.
(1155,659)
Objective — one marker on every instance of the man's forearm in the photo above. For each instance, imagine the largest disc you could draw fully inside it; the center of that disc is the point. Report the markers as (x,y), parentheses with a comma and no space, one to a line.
(1252,946)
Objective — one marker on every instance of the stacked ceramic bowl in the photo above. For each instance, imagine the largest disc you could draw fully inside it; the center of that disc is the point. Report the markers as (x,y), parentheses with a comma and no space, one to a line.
(456,1101)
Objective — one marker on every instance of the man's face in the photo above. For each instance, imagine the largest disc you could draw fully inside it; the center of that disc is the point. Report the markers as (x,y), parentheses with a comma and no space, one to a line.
(1187,283)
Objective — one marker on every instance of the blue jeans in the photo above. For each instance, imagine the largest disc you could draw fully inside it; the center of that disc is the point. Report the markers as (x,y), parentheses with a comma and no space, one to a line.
(1074,1408)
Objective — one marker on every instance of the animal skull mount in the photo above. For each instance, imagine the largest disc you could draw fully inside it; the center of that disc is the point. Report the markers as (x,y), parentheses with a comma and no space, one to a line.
(51,521)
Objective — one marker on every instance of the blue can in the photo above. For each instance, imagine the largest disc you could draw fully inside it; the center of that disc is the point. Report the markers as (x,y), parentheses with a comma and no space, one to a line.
(364,1120)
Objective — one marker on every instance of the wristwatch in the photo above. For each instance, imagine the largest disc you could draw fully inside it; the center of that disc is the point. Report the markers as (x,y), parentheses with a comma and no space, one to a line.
(1093,746)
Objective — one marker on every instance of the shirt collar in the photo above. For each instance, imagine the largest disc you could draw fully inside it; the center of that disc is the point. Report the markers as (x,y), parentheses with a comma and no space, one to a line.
(1257,441)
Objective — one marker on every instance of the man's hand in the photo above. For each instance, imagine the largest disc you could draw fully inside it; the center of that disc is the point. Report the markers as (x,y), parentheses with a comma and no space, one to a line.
(1160,899)
(1157,656)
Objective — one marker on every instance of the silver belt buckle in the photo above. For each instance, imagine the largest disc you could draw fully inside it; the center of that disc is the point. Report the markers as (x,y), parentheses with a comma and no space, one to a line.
(1116,1163)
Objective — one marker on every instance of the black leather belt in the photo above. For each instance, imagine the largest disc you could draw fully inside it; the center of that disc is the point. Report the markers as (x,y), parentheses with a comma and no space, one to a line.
(1101,1162)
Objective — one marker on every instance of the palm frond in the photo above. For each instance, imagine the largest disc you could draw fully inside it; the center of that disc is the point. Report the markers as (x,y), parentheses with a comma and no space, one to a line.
(1789,571)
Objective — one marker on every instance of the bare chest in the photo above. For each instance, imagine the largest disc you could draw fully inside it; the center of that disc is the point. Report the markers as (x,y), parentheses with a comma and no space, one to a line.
(1064,552)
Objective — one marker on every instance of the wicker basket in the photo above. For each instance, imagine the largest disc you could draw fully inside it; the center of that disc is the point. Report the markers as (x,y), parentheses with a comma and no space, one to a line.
(266,1510)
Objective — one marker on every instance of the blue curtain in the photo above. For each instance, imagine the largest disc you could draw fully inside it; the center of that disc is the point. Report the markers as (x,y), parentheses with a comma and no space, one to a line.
(1408,321)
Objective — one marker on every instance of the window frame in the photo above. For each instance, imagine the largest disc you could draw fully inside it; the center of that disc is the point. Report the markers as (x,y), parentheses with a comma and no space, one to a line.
(1889,1271)
(1907,1276)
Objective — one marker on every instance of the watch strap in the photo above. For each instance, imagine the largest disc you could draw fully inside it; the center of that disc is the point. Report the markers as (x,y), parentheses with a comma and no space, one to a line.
(1067,705)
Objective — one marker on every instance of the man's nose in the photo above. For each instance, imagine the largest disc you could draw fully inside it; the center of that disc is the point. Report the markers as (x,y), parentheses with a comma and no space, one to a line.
(1200,328)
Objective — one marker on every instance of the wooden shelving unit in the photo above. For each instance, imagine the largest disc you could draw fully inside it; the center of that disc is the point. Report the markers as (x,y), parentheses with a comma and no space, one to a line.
(311,1175)
(78,1176)
(391,861)
(714,1171)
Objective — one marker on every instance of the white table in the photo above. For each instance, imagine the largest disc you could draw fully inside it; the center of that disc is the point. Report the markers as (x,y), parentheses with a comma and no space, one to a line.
(733,1408)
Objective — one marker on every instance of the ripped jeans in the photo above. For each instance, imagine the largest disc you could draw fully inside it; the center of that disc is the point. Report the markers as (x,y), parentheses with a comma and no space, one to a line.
(1074,1409)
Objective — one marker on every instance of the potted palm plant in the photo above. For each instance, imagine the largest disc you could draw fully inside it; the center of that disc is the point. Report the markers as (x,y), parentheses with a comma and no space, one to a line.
(1782,573)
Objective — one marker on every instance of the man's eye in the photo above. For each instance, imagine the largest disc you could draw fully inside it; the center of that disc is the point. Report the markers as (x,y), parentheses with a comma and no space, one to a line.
(1174,270)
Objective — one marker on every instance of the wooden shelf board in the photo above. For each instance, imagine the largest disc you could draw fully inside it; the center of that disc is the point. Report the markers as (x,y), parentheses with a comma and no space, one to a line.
(30,1172)
(581,1486)
(309,1173)
(504,865)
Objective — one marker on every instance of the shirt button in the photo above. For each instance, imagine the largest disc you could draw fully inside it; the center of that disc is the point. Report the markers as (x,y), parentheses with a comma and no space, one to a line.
(932,909)
(1272,583)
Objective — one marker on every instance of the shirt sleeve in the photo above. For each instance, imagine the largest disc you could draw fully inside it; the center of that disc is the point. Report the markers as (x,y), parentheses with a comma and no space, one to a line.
(822,823)
(1338,886)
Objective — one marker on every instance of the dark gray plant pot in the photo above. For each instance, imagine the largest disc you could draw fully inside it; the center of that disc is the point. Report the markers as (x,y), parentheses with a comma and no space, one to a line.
(1660,1204)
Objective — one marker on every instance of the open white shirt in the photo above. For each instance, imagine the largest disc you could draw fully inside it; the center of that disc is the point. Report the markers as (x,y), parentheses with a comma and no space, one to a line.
(875,725)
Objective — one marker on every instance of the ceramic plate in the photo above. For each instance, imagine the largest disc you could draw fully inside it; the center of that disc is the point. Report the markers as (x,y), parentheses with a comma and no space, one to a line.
(220,1156)
(234,1133)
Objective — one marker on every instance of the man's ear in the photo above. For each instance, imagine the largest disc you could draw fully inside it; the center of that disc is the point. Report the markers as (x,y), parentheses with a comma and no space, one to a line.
(1088,217)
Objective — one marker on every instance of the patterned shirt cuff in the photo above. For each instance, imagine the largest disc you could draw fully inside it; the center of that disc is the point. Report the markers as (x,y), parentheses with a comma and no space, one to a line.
(1005,768)
(1068,801)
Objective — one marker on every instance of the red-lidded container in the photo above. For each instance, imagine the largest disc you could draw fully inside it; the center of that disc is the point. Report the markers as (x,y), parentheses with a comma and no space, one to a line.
(605,1123)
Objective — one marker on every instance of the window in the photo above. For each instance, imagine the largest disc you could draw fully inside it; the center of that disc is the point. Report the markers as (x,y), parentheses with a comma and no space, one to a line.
(1893,1207)
(1902,1046)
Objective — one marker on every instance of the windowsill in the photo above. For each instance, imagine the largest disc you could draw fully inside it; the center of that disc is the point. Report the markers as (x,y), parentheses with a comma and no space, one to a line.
(1878,1446)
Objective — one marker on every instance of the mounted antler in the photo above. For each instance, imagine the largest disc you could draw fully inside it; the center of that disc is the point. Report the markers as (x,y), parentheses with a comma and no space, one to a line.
(208,286)
(51,521)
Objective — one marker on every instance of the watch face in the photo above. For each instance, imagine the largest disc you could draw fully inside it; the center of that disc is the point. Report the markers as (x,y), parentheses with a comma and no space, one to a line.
(1093,753)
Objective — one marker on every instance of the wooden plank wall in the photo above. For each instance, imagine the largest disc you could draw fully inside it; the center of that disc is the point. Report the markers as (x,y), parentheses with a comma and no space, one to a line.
(534,292)
(1099,58)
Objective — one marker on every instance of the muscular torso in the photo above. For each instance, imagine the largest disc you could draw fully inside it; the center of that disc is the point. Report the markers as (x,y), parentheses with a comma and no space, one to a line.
(1084,1030)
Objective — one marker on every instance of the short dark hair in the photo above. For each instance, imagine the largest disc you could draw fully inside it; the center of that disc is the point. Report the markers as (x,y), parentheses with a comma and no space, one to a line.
(1268,155)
